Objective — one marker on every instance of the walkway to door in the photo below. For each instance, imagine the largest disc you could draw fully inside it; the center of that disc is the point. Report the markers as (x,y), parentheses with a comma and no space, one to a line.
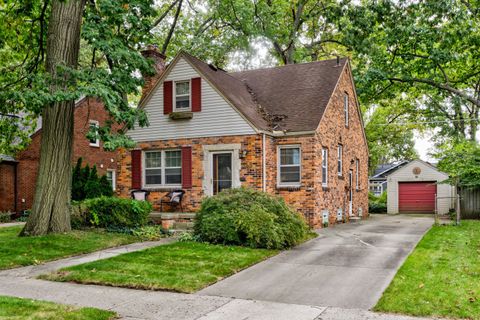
(347,266)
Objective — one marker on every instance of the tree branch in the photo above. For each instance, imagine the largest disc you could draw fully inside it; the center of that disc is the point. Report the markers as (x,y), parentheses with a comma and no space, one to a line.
(160,19)
(441,86)
(172,28)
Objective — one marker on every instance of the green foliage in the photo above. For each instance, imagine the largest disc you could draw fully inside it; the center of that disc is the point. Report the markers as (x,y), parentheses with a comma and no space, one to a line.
(462,162)
(111,37)
(377,204)
(149,232)
(247,217)
(187,237)
(5,216)
(86,183)
(110,212)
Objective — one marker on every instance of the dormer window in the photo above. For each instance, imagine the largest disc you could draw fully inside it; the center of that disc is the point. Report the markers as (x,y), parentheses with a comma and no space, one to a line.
(182,96)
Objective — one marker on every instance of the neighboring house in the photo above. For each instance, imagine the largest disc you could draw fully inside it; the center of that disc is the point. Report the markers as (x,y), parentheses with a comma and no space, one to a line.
(294,131)
(378,181)
(415,188)
(20,190)
(8,172)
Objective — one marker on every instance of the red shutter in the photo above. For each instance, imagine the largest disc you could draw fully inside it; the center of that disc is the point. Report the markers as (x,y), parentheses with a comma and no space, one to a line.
(186,167)
(136,169)
(196,94)
(167,97)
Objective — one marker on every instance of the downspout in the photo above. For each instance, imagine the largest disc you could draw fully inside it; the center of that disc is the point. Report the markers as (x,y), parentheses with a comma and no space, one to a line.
(264,165)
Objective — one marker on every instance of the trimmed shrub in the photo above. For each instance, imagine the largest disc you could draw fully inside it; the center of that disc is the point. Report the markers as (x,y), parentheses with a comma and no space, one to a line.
(377,204)
(5,216)
(252,218)
(111,213)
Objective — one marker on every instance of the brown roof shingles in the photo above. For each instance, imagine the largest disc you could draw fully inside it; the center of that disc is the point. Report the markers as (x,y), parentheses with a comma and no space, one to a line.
(289,98)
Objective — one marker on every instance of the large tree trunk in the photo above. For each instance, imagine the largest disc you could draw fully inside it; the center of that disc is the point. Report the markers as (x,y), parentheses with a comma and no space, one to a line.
(50,211)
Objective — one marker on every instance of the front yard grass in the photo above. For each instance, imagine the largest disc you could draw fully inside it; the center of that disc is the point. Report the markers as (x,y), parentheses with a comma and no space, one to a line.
(22,251)
(26,309)
(441,277)
(182,267)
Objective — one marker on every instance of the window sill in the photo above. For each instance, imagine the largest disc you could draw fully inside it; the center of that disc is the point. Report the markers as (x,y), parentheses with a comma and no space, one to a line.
(325,188)
(181,115)
(341,177)
(162,188)
(294,187)
(95,145)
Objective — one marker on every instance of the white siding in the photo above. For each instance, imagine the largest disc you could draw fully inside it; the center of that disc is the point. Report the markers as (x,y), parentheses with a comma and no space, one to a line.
(217,117)
(428,173)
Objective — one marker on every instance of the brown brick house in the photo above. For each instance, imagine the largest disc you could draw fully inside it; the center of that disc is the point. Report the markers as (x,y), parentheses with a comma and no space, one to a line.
(17,193)
(295,131)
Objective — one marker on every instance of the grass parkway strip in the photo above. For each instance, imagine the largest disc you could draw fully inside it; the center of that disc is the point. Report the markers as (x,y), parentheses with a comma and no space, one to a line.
(16,308)
(181,267)
(441,276)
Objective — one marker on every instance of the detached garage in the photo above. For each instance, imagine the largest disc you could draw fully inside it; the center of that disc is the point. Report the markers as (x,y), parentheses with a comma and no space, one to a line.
(413,189)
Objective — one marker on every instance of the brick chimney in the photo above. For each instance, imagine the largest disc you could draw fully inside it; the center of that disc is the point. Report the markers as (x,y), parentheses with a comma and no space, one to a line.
(151,52)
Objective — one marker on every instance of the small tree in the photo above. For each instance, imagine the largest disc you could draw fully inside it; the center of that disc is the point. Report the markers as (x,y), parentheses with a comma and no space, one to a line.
(86,183)
(462,163)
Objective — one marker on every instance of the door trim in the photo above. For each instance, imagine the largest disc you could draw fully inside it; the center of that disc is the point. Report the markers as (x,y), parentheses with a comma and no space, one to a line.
(208,151)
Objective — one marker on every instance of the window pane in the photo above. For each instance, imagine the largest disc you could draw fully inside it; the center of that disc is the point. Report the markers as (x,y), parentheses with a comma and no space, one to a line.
(290,156)
(182,102)
(153,159)
(173,176)
(324,175)
(290,174)
(153,176)
(173,159)
(182,87)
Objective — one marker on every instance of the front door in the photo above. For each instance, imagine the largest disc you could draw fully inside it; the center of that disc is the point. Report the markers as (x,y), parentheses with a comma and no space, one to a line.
(222,171)
(350,192)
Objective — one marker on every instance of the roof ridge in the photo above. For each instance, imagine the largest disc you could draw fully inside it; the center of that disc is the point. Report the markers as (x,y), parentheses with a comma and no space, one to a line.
(285,65)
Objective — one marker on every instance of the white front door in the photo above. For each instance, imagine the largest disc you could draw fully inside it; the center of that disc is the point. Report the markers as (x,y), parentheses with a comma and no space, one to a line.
(221,165)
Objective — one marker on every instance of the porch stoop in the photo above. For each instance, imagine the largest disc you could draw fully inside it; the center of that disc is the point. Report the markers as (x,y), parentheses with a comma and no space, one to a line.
(175,221)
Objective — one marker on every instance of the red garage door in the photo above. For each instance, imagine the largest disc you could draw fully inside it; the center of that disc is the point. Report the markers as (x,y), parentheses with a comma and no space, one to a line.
(416,197)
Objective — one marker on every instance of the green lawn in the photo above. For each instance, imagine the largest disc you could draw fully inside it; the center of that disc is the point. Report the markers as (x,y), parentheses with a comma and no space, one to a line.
(26,309)
(441,277)
(22,251)
(182,266)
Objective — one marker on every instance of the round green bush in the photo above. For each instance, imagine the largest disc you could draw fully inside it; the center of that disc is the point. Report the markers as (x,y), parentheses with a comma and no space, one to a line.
(252,218)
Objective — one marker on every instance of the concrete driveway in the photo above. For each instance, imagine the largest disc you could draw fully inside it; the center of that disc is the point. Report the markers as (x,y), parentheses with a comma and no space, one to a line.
(347,266)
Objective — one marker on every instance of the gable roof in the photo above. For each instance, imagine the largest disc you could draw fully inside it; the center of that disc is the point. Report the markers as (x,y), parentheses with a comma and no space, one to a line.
(297,95)
(289,98)
(383,170)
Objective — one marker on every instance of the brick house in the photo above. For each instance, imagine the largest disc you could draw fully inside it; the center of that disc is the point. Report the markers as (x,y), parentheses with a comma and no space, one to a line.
(294,131)
(19,174)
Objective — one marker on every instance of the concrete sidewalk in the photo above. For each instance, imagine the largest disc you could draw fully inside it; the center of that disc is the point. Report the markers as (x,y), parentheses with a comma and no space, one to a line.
(159,305)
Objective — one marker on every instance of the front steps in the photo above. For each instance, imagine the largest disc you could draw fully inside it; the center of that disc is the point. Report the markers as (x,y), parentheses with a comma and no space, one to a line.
(174,221)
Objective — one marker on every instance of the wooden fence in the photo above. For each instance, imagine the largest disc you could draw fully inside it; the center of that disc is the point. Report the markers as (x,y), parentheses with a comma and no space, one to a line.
(470,203)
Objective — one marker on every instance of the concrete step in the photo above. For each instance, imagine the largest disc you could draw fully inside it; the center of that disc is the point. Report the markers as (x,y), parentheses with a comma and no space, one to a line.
(183,226)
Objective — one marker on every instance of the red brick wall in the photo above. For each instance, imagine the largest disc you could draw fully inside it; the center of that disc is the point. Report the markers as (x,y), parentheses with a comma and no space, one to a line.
(250,170)
(87,109)
(7,184)
(331,132)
